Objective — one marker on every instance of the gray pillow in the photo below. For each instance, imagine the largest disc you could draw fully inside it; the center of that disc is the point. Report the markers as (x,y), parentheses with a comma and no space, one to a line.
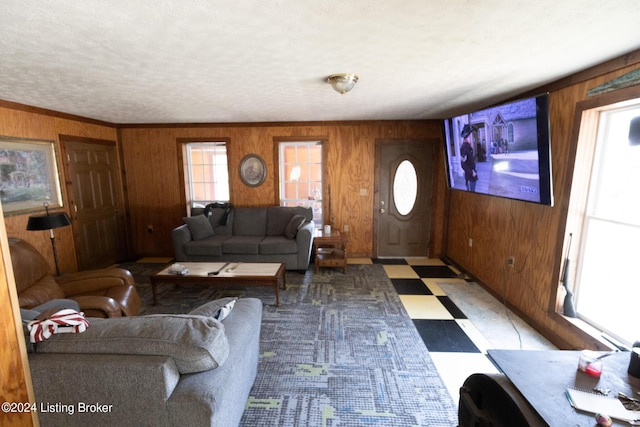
(195,343)
(294,225)
(199,226)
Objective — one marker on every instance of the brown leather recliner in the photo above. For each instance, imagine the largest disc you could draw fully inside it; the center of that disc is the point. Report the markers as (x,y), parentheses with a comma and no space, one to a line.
(107,292)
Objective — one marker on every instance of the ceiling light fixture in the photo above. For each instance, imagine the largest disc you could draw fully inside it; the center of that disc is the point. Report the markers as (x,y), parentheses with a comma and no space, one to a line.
(342,82)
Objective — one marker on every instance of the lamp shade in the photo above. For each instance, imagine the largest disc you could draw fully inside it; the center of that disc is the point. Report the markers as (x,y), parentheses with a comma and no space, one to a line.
(48,222)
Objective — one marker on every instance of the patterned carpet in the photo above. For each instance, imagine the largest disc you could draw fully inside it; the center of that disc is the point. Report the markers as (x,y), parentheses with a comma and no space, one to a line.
(340,350)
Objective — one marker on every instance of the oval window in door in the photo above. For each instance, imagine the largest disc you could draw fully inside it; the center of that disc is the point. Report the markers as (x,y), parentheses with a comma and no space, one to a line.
(405,187)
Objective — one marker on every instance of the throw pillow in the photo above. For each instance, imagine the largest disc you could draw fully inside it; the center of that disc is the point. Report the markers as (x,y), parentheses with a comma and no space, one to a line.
(195,343)
(294,225)
(199,226)
(218,309)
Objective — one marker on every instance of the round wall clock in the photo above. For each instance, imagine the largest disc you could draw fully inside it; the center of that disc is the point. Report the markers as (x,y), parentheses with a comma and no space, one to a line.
(253,170)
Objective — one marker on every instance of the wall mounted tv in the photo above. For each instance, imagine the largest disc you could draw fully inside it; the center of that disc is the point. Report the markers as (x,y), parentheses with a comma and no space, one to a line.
(502,151)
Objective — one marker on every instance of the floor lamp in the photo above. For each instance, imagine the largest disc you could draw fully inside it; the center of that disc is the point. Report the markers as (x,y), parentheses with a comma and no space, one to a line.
(49,222)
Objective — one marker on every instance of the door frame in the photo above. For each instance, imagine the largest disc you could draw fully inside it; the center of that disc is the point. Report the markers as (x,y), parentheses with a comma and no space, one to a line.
(119,185)
(428,142)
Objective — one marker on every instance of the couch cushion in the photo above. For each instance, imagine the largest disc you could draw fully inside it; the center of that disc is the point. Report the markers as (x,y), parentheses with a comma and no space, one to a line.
(216,218)
(195,343)
(218,222)
(199,226)
(29,266)
(197,211)
(293,226)
(218,309)
(211,246)
(44,290)
(278,217)
(249,221)
(249,245)
(275,245)
(306,212)
(219,213)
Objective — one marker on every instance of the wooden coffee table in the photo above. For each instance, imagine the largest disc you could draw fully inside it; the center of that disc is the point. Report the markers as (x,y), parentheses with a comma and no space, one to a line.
(231,273)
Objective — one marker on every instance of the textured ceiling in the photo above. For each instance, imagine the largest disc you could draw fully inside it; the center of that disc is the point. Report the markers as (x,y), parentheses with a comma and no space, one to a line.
(188,61)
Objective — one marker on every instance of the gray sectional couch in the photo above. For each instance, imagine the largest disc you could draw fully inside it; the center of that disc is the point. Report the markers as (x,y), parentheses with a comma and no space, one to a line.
(247,234)
(157,370)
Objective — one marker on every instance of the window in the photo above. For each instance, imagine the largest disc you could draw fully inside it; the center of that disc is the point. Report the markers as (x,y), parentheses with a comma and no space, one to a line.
(405,187)
(300,172)
(206,173)
(606,287)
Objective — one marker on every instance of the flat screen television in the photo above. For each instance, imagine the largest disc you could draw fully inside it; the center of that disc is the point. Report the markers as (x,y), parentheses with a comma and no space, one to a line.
(502,151)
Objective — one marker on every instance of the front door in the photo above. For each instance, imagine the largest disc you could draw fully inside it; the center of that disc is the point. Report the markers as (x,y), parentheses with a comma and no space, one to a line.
(403,200)
(95,201)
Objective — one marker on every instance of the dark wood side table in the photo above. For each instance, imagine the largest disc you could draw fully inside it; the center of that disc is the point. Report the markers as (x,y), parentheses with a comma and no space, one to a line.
(330,250)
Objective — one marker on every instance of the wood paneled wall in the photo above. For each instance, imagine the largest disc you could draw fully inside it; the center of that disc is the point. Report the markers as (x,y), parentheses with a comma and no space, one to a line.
(40,124)
(14,366)
(533,234)
(25,122)
(152,180)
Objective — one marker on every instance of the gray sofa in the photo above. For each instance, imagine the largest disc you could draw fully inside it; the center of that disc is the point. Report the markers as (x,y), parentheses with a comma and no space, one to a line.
(158,370)
(247,234)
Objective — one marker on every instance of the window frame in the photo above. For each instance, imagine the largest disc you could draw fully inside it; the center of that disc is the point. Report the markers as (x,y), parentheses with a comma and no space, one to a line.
(581,157)
(325,190)
(184,167)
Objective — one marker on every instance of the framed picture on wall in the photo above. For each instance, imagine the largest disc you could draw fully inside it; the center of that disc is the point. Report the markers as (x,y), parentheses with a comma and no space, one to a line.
(28,175)
(253,170)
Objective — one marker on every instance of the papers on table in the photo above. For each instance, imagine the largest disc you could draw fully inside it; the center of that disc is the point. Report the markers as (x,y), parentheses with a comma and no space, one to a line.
(597,403)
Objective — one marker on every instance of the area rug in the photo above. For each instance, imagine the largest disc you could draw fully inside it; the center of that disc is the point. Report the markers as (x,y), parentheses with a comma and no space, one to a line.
(339,351)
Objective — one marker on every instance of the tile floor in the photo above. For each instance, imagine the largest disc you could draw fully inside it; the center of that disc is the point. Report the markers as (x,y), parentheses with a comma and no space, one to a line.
(457,319)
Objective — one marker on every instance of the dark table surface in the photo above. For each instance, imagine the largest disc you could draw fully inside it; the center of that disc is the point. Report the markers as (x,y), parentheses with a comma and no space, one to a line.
(542,377)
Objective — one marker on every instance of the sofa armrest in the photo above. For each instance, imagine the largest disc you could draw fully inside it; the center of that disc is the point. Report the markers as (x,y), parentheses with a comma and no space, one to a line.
(136,388)
(181,236)
(98,290)
(304,240)
(91,281)
(98,306)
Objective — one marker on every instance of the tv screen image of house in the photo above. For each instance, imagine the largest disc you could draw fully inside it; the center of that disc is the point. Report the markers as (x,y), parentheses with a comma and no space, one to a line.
(502,151)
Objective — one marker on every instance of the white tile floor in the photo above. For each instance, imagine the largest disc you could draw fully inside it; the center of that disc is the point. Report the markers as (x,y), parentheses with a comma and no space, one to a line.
(486,322)
(490,325)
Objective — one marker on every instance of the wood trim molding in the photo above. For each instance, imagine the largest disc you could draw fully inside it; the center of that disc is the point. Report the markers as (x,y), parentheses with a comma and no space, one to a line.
(53,113)
(610,66)
(75,138)
(268,124)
